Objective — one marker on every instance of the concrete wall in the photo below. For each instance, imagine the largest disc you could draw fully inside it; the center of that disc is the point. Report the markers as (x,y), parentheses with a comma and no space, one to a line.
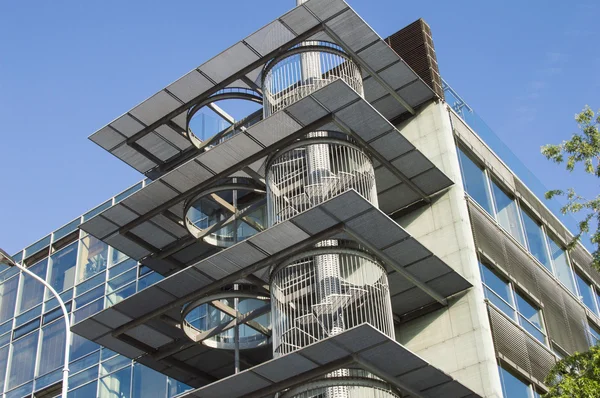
(457,339)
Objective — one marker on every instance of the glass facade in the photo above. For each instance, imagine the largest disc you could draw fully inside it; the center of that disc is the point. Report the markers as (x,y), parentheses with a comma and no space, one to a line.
(523,226)
(90,276)
(514,386)
(502,294)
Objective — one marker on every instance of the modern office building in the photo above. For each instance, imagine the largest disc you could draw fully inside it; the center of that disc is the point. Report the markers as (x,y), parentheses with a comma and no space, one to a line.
(321,216)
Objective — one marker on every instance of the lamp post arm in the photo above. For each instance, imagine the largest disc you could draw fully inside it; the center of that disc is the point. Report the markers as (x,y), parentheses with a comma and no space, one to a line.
(65,381)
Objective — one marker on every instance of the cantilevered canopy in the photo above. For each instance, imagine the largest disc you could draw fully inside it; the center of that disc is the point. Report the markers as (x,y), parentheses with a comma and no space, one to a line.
(362,347)
(145,325)
(148,224)
(151,136)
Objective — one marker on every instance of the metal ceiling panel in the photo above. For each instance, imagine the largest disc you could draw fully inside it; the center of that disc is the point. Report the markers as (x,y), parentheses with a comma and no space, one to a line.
(228,62)
(119,214)
(408,252)
(289,366)
(173,228)
(384,357)
(279,237)
(99,227)
(306,111)
(412,163)
(410,300)
(389,107)
(112,318)
(186,176)
(377,229)
(373,90)
(133,158)
(397,198)
(107,138)
(362,118)
(118,346)
(392,145)
(398,75)
(335,96)
(273,129)
(157,146)
(138,304)
(178,140)
(149,336)
(314,220)
(325,9)
(299,20)
(231,153)
(432,181)
(190,86)
(183,283)
(415,93)
(149,197)
(154,107)
(385,179)
(269,38)
(378,55)
(153,235)
(124,245)
(127,125)
(352,30)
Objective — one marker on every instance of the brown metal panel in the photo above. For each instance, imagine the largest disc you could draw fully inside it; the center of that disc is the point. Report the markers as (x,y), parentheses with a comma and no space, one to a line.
(415,46)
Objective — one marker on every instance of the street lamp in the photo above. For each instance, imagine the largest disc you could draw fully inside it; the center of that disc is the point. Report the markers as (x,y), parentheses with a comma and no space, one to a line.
(7,260)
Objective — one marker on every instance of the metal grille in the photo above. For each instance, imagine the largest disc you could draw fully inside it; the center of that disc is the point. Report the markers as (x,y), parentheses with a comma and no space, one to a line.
(324,292)
(518,347)
(306,69)
(313,171)
(564,317)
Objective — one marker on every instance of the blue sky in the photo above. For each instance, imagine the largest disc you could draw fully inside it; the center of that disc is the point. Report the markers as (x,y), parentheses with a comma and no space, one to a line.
(67,68)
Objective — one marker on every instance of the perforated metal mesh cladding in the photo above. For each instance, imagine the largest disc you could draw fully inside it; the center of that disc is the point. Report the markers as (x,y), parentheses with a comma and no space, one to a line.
(564,317)
(518,347)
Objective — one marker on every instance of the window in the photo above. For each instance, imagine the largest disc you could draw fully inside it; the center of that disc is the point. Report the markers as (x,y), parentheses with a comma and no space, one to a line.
(586,293)
(22,363)
(562,269)
(53,347)
(81,346)
(530,318)
(8,297)
(87,391)
(34,289)
(507,213)
(3,365)
(148,382)
(475,181)
(93,257)
(502,294)
(497,290)
(118,385)
(62,268)
(593,334)
(535,239)
(515,387)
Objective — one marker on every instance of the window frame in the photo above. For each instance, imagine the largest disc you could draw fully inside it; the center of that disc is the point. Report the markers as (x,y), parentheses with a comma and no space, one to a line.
(515,291)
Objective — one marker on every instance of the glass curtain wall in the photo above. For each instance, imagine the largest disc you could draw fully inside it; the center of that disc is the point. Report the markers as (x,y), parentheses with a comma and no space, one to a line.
(517,221)
(515,387)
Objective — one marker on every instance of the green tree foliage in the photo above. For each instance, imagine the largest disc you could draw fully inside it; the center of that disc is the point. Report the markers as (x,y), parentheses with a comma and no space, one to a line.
(577,376)
(582,149)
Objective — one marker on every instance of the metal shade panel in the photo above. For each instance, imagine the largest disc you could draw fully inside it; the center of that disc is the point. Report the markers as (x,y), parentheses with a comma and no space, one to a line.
(363,346)
(148,124)
(158,306)
(401,180)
